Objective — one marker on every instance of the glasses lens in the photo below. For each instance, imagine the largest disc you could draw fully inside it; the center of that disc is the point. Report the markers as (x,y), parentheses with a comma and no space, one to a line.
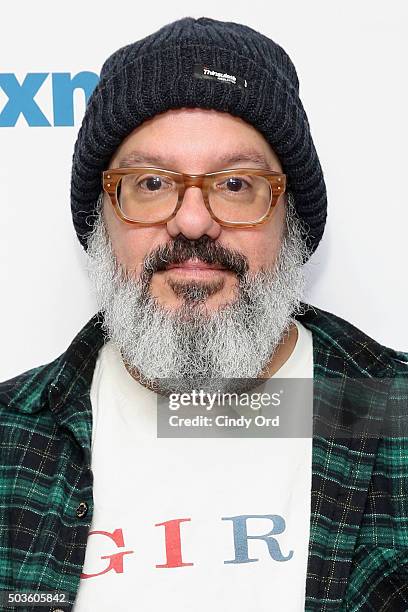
(240,198)
(147,198)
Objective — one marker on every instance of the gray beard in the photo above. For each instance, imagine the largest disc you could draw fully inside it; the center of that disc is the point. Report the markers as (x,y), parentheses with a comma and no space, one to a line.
(170,350)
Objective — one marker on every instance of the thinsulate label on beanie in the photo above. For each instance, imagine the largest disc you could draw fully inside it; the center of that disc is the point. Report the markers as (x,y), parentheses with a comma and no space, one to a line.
(203,71)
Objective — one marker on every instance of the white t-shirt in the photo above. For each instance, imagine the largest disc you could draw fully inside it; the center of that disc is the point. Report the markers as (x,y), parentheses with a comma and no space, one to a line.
(190,523)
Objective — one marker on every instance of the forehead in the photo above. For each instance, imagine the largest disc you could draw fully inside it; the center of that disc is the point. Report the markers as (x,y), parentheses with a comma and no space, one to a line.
(195,137)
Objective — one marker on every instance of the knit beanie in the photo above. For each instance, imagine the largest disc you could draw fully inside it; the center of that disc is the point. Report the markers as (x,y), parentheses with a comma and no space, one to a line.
(200,63)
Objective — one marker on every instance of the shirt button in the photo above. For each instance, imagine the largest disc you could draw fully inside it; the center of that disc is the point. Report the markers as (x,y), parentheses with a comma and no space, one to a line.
(82,510)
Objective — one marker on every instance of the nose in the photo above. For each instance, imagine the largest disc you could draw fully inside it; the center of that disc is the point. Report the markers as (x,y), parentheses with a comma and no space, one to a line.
(193,220)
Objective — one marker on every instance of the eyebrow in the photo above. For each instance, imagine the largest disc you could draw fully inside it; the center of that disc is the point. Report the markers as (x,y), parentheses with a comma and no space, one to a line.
(254,157)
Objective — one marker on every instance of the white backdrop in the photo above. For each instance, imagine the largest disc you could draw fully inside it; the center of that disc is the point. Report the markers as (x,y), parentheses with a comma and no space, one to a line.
(351,59)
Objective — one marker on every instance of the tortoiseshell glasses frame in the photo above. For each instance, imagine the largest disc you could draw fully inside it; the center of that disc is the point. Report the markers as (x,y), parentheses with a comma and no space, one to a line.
(113,176)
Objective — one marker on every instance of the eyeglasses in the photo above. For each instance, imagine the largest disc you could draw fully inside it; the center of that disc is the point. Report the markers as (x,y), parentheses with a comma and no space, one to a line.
(152,196)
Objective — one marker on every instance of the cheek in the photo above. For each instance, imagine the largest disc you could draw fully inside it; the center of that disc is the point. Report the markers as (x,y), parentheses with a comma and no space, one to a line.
(260,246)
(131,244)
(264,254)
(271,238)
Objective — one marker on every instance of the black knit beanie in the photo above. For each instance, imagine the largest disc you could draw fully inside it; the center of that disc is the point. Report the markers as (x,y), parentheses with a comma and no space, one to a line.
(210,64)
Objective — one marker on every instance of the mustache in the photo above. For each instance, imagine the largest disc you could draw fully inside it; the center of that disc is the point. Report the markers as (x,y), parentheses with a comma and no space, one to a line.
(204,249)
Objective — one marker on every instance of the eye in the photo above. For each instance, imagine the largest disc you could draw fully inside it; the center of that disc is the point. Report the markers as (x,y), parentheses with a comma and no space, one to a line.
(153,183)
(235,184)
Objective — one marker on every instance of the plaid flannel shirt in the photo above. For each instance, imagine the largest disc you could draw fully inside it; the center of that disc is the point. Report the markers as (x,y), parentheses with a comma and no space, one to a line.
(358,550)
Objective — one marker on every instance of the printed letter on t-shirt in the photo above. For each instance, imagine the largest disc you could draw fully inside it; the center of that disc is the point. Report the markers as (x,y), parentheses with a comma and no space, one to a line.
(241,537)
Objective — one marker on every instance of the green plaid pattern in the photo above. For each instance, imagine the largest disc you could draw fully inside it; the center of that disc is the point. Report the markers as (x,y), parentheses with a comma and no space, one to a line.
(358,551)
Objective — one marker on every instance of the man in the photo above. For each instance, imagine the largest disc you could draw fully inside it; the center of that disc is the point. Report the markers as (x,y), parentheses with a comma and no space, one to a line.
(198,196)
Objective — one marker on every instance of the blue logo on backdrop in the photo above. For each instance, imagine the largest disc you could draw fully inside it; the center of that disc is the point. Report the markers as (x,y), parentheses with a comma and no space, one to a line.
(21,97)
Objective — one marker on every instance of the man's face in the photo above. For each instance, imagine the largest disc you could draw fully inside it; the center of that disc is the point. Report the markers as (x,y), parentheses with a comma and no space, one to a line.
(195,141)
(217,322)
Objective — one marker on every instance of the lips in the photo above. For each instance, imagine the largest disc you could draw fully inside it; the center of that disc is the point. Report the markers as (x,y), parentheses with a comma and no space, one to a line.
(194,265)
